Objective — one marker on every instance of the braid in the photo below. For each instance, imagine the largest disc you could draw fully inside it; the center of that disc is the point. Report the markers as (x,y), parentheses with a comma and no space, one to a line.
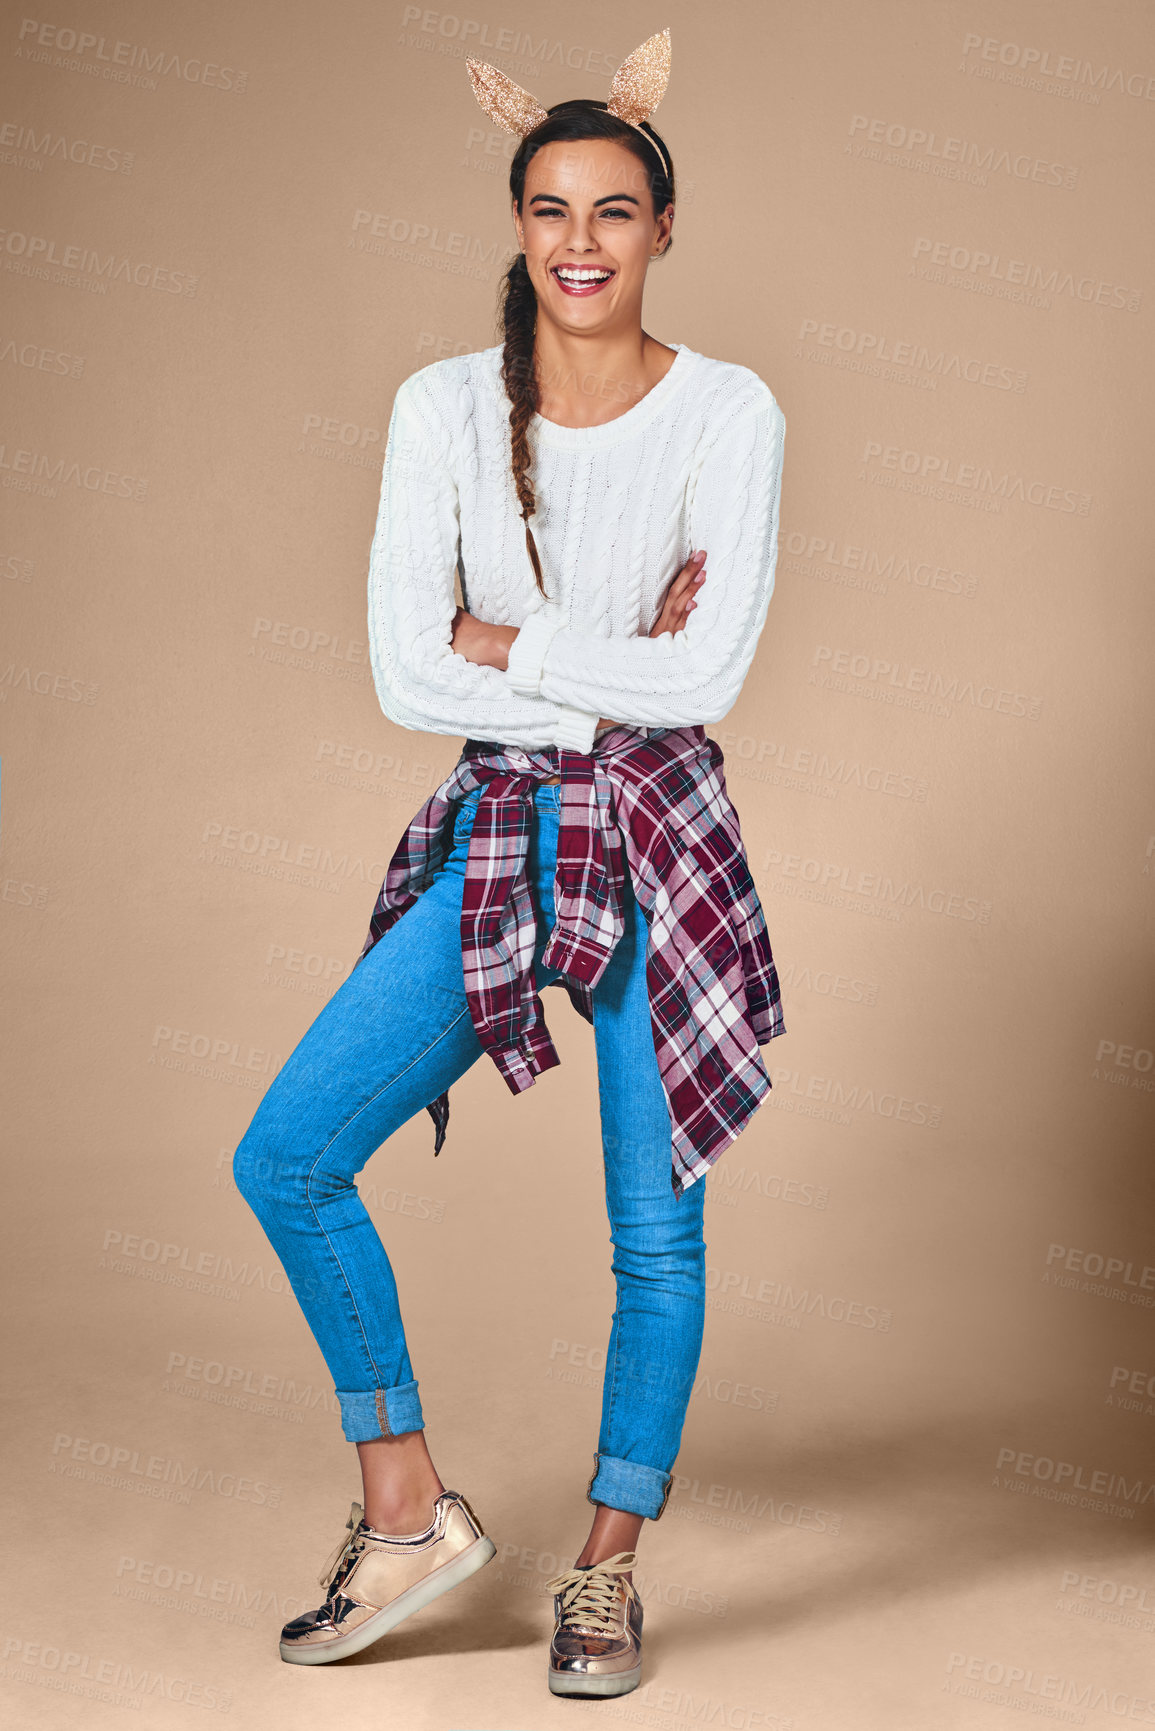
(519,312)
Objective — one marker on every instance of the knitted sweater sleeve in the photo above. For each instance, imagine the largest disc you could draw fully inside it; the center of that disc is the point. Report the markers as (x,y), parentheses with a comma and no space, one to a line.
(421,682)
(693,675)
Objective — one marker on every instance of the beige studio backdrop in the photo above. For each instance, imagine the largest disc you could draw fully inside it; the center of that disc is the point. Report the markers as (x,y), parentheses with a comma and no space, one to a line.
(917,1482)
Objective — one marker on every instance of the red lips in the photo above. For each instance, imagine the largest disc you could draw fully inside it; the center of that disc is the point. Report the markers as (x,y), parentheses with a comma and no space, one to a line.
(580,288)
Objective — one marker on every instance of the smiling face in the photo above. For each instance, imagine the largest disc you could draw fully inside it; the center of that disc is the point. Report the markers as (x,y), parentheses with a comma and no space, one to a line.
(588,231)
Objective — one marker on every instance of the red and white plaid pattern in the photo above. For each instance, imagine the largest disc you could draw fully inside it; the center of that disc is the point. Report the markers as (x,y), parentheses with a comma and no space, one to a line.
(652,801)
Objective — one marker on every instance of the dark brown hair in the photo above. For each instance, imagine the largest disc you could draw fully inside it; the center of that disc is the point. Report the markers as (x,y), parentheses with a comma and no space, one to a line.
(517,308)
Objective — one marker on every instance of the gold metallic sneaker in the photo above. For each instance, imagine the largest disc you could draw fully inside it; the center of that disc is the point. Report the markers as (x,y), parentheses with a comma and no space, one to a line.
(597,1641)
(374,1580)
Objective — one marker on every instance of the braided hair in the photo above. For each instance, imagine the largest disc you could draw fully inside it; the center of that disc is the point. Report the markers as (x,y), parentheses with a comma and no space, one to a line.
(517,312)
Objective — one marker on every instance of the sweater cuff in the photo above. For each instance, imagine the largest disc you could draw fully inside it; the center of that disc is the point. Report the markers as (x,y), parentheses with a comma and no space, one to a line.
(575,728)
(527,651)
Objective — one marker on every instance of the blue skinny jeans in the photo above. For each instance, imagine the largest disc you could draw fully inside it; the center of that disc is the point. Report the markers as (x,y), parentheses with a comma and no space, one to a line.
(391,1038)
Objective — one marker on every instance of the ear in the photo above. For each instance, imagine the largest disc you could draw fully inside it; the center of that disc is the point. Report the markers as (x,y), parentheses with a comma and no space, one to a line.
(640,81)
(513,108)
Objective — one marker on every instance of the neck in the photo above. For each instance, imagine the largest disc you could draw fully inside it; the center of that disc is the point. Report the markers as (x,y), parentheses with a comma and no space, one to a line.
(585,380)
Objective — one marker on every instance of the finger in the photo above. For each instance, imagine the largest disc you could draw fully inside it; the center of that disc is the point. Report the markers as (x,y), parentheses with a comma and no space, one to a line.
(682,584)
(690,569)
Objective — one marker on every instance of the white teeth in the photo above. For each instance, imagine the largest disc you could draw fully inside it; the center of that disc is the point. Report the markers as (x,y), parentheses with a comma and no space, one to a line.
(584,275)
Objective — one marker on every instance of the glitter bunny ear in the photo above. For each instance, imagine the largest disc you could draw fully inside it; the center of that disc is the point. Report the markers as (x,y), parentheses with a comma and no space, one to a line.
(640,81)
(513,108)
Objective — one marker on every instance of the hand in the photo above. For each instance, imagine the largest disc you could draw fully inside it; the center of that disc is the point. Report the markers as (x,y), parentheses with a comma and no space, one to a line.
(680,597)
(678,604)
(483,644)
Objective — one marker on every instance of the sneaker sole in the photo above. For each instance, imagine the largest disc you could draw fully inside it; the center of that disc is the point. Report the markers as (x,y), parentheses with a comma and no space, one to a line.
(421,1593)
(614,1683)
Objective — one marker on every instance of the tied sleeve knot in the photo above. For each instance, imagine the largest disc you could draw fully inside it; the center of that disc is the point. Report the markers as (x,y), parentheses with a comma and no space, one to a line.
(590,879)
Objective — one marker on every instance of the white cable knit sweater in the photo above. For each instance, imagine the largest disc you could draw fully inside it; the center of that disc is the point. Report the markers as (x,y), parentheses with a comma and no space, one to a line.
(695,463)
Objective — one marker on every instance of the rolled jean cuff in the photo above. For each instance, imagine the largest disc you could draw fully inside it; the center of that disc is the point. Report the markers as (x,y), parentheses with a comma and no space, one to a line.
(380,1412)
(628,1485)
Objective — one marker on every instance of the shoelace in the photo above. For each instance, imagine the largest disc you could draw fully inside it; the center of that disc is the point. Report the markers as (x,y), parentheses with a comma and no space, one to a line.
(589,1595)
(353,1526)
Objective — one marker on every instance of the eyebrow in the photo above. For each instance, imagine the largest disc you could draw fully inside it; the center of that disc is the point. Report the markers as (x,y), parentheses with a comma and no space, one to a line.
(610,198)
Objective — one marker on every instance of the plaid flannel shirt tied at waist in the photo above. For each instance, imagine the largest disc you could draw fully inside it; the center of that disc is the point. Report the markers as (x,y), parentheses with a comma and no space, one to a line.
(653,802)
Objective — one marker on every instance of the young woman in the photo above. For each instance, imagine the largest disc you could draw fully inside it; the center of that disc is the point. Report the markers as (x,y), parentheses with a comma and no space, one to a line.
(584,839)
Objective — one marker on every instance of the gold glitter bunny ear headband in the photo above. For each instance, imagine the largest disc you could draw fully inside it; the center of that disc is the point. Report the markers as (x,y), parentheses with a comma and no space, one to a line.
(637,88)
